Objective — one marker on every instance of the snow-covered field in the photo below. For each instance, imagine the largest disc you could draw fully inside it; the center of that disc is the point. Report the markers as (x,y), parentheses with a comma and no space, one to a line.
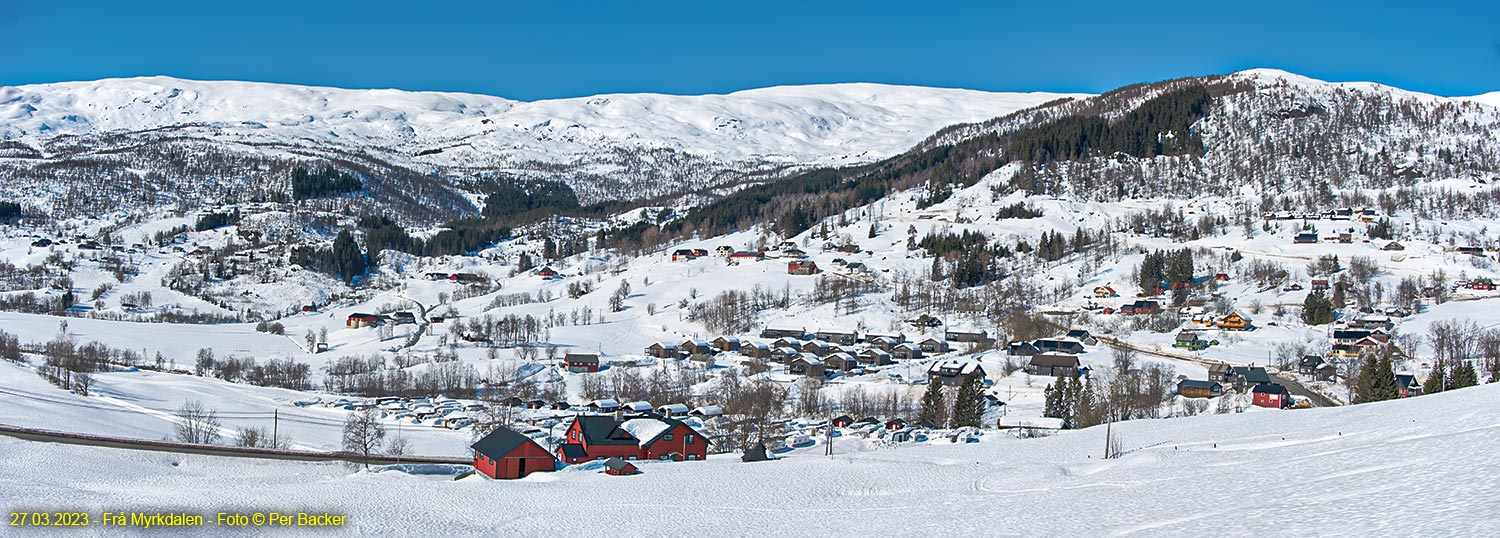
(1403,467)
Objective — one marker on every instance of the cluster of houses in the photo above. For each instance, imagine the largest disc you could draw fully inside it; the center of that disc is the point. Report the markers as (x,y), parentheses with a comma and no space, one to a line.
(1343,213)
(1054,356)
(359,320)
(798,263)
(616,440)
(1223,377)
(820,353)
(1362,334)
(466,278)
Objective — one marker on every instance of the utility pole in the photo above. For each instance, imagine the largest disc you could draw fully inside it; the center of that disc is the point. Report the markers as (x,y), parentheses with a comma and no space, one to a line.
(1107,434)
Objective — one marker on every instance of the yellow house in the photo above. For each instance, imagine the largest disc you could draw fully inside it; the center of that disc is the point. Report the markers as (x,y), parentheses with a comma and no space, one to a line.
(1234,321)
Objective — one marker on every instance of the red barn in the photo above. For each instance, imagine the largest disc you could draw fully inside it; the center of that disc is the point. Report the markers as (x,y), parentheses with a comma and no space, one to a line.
(356,321)
(619,467)
(505,454)
(546,272)
(802,267)
(1271,395)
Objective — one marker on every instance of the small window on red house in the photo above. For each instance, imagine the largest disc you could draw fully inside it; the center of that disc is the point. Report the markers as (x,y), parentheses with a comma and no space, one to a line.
(688,439)
(668,437)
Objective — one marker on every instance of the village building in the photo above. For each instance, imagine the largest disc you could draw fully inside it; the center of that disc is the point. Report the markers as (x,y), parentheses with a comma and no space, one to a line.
(955,372)
(842,421)
(817,347)
(359,320)
(841,362)
(1082,335)
(579,363)
(695,347)
(806,364)
(906,351)
(1021,349)
(785,354)
(1248,376)
(1141,307)
(783,332)
(1193,388)
(1234,321)
(546,272)
(745,255)
(707,411)
(662,351)
(1052,365)
(1059,345)
(838,337)
(977,337)
(674,410)
(802,267)
(506,454)
(756,351)
(1407,386)
(1189,340)
(875,357)
(1305,238)
(1221,372)
(932,346)
(1104,292)
(1271,395)
(619,467)
(1309,364)
(726,343)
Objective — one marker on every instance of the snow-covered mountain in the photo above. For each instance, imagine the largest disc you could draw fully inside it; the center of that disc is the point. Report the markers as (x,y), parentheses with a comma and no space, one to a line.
(605,147)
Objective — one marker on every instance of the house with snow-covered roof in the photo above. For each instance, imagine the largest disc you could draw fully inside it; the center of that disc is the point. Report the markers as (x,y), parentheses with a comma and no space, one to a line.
(954,372)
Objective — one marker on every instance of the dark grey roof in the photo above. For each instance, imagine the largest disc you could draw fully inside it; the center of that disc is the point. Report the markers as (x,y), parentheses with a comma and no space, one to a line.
(1269,388)
(1253,374)
(581,357)
(1197,384)
(616,463)
(1055,361)
(1407,380)
(602,430)
(500,442)
(572,451)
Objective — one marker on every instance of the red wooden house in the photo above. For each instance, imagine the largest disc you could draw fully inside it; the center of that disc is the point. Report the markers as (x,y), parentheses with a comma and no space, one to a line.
(546,272)
(1271,395)
(506,454)
(593,437)
(802,267)
(650,437)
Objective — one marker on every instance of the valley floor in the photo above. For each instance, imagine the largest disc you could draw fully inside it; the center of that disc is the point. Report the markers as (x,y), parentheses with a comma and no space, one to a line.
(1393,468)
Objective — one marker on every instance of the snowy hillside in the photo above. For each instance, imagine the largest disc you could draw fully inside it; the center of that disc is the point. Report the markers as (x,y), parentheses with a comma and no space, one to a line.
(606,147)
(1357,471)
(821,124)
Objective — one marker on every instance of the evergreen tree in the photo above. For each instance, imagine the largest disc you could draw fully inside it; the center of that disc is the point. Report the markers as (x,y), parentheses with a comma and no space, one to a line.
(1437,380)
(1364,385)
(1316,309)
(932,403)
(1464,375)
(1054,398)
(872,231)
(346,259)
(1385,378)
(968,408)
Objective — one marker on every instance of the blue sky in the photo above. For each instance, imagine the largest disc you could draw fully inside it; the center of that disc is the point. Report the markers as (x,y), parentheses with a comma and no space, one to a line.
(539,49)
